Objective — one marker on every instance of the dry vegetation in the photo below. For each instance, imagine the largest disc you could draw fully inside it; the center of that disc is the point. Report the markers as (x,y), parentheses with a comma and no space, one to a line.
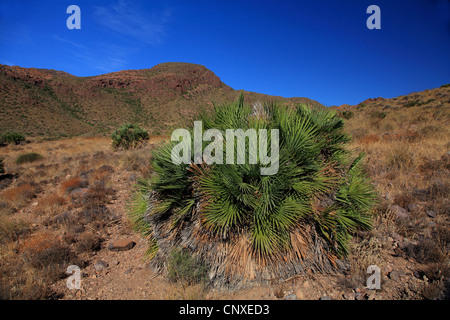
(406,140)
(53,211)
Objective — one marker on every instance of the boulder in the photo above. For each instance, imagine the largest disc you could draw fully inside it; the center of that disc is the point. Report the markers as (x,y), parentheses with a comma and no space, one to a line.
(121,245)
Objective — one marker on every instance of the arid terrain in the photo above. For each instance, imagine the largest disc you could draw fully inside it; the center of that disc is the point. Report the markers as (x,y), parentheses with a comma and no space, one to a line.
(68,206)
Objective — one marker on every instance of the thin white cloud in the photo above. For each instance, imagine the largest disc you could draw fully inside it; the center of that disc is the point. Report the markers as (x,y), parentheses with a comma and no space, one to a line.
(58,38)
(101,61)
(130,20)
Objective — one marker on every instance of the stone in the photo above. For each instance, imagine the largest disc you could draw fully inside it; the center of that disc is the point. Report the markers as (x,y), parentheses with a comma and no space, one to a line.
(128,271)
(100,265)
(400,213)
(121,245)
(324,297)
(114,262)
(396,275)
(431,213)
(291,297)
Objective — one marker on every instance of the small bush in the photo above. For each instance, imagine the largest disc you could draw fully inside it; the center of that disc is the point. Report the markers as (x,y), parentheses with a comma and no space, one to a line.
(12,137)
(22,193)
(2,167)
(129,136)
(11,229)
(412,104)
(88,242)
(347,114)
(72,184)
(378,115)
(28,157)
(426,251)
(183,267)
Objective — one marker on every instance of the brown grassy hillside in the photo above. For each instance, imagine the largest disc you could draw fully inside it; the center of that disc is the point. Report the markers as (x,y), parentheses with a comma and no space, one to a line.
(54,103)
(407,142)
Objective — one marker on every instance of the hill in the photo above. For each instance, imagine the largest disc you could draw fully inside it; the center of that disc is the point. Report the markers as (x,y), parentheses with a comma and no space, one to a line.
(40,102)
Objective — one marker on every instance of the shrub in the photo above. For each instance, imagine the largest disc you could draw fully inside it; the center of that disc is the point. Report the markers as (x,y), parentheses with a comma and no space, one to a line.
(129,136)
(240,221)
(12,137)
(410,104)
(73,183)
(22,193)
(11,228)
(2,167)
(183,267)
(378,115)
(347,114)
(88,242)
(28,157)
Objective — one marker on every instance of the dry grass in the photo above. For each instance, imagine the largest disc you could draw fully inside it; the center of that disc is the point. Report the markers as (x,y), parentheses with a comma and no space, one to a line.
(21,194)
(50,205)
(408,160)
(12,228)
(42,226)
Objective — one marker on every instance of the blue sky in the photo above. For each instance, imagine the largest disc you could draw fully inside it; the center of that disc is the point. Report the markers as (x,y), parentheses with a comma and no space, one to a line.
(316,49)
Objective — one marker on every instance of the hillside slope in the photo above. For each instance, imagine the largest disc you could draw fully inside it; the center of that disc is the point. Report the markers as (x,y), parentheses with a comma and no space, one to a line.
(55,103)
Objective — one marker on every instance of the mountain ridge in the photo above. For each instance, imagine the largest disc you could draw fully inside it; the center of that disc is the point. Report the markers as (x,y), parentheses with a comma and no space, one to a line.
(45,102)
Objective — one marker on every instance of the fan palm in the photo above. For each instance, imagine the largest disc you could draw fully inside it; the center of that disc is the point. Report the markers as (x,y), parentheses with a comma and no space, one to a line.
(240,221)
